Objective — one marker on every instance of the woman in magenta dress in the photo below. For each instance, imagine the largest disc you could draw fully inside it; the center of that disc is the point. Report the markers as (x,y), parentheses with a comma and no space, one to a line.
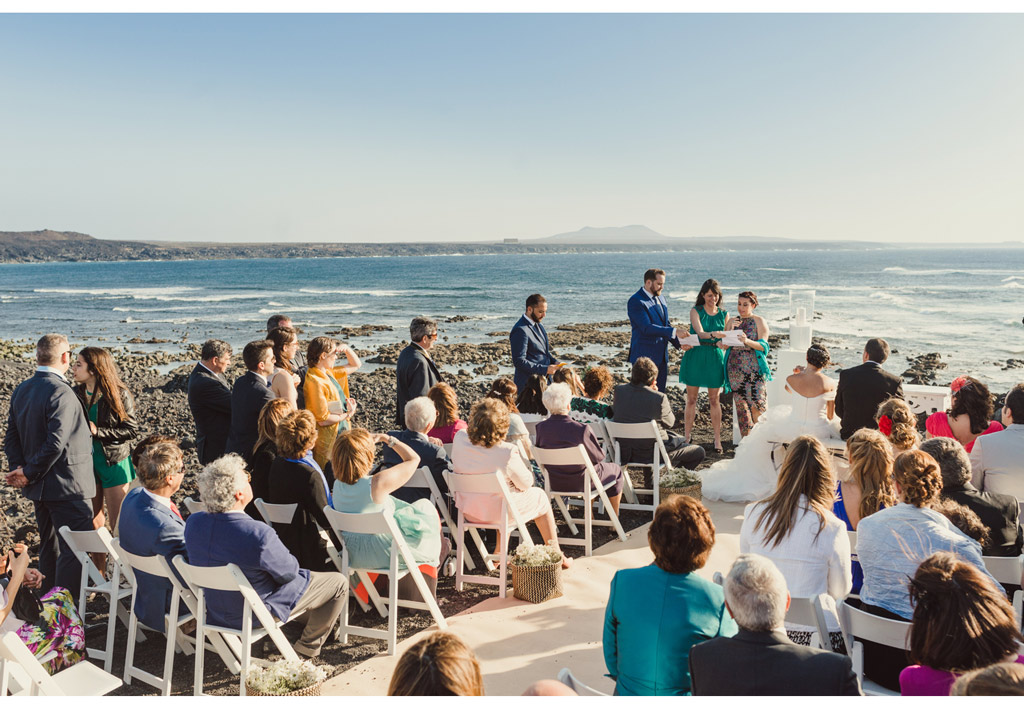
(448,422)
(969,416)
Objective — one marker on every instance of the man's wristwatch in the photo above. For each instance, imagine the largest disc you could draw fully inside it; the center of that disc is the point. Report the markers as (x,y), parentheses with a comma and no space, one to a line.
(391,441)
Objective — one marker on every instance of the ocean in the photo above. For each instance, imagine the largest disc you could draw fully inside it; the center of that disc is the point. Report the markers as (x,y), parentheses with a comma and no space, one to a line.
(965,304)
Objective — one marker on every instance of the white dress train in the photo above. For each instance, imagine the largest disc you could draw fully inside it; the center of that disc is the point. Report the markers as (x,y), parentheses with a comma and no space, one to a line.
(751,475)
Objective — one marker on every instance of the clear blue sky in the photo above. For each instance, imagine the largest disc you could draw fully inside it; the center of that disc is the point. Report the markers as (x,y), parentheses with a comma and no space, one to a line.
(470,127)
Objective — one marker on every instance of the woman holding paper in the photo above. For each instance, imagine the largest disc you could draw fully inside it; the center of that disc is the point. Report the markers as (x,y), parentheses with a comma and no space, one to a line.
(746,365)
(703,366)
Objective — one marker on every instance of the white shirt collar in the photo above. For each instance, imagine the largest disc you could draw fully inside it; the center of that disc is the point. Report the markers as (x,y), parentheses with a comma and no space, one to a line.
(51,370)
(650,294)
(163,500)
(208,368)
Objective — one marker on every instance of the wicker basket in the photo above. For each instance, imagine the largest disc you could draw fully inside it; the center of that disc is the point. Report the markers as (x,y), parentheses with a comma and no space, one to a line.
(313,690)
(537,583)
(692,490)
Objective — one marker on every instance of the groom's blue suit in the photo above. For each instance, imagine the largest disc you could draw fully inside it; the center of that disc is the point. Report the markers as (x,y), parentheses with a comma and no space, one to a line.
(531,353)
(652,332)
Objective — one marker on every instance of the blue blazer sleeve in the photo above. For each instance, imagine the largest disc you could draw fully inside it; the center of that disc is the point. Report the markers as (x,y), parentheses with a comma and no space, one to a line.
(611,660)
(276,560)
(518,340)
(640,319)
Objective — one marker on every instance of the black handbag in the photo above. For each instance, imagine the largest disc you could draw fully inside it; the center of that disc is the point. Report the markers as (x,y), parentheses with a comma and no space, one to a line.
(27,606)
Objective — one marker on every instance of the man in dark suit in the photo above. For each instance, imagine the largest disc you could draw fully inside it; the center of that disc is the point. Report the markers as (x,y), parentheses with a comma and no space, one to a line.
(420,415)
(49,450)
(416,372)
(209,398)
(250,393)
(531,353)
(862,388)
(1000,513)
(151,525)
(760,660)
(652,333)
(640,401)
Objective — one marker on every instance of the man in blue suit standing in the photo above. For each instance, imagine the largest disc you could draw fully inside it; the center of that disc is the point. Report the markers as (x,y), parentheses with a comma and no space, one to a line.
(151,525)
(531,353)
(652,333)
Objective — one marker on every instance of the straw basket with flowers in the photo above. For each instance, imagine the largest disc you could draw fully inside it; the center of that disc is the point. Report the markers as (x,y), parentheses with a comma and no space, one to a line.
(285,678)
(680,481)
(536,573)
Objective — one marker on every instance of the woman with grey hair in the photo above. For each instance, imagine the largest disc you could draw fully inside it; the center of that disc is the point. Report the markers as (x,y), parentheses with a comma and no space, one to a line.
(560,431)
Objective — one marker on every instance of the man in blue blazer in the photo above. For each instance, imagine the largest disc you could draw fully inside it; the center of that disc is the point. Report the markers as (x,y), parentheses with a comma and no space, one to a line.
(531,353)
(151,525)
(249,395)
(652,333)
(49,452)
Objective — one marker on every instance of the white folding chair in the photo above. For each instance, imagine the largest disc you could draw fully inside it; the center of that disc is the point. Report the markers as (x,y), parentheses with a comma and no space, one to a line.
(592,489)
(275,513)
(21,674)
(805,611)
(601,433)
(531,428)
(492,483)
(382,523)
(566,676)
(856,622)
(423,479)
(82,544)
(230,578)
(448,448)
(660,459)
(193,506)
(1008,571)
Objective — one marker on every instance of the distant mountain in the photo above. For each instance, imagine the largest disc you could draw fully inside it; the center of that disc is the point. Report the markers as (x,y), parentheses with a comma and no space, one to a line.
(46,235)
(635,234)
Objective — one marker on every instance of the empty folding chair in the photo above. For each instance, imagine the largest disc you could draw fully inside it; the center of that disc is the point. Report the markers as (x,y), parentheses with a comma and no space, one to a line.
(659,459)
(21,674)
(193,506)
(374,523)
(856,622)
(592,490)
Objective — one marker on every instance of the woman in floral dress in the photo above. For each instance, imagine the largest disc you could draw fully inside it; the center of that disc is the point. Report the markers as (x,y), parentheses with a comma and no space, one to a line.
(746,367)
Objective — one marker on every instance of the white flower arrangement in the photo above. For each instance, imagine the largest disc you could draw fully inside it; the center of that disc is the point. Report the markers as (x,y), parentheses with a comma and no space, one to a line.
(284,676)
(679,477)
(536,555)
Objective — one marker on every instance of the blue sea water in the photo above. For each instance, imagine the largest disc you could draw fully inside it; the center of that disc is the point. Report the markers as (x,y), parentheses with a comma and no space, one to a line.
(965,304)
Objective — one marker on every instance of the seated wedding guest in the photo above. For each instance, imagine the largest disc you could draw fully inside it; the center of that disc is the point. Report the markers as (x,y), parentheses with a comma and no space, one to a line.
(657,613)
(209,399)
(56,629)
(869,487)
(588,408)
(356,492)
(296,478)
(224,534)
(960,623)
(772,665)
(327,384)
(997,460)
(969,415)
(999,513)
(248,396)
(898,424)
(796,529)
(504,390)
(142,445)
(862,389)
(548,687)
(567,375)
(481,449)
(111,410)
(152,526)
(640,401)
(440,664)
(891,543)
(420,416)
(531,399)
(265,451)
(560,431)
(285,381)
(996,680)
(448,422)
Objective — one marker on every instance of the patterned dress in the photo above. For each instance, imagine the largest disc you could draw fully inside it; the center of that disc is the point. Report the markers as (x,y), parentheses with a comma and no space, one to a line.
(745,379)
(59,630)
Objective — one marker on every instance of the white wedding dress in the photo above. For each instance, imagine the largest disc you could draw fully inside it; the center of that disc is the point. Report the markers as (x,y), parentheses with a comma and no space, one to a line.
(751,475)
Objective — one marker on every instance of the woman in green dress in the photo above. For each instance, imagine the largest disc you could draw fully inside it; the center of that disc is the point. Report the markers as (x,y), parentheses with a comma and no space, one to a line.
(704,366)
(111,410)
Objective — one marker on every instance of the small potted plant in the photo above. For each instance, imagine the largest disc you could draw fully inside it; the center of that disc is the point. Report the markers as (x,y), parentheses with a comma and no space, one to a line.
(680,481)
(536,573)
(285,677)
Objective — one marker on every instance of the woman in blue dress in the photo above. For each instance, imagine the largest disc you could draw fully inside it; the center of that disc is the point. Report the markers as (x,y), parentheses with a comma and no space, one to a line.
(704,366)
(869,488)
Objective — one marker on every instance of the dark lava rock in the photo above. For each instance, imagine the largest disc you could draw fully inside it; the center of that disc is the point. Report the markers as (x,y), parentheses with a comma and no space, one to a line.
(923,368)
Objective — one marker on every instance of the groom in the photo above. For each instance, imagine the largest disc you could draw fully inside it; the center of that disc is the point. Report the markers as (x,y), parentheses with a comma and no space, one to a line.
(648,316)
(863,388)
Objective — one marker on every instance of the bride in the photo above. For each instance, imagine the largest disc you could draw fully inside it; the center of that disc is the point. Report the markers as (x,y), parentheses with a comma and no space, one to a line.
(751,474)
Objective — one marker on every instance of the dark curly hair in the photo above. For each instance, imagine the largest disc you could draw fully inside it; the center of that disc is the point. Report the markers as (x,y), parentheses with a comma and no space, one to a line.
(681,535)
(975,400)
(964,518)
(598,382)
(818,356)
(919,478)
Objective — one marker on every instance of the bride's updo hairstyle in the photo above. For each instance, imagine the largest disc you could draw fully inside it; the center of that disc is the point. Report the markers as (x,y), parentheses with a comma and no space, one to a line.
(807,471)
(898,423)
(919,478)
(972,397)
(870,456)
(818,356)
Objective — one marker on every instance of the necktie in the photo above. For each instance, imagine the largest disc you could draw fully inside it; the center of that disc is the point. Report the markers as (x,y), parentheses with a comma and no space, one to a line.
(174,508)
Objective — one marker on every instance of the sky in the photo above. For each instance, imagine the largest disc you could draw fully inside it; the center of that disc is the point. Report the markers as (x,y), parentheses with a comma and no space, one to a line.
(457,127)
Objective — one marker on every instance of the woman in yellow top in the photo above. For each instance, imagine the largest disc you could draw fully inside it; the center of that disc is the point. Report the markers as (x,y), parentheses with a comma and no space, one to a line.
(327,384)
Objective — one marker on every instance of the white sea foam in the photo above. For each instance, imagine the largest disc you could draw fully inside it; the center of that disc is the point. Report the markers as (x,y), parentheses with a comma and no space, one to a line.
(339,307)
(1013,277)
(372,293)
(778,270)
(141,293)
(1013,285)
(154,309)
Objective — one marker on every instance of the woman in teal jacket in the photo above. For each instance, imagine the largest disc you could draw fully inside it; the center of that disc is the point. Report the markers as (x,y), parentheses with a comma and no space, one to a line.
(656,613)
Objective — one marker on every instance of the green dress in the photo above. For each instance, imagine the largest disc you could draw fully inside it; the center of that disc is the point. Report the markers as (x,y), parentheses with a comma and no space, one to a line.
(704,366)
(113,475)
